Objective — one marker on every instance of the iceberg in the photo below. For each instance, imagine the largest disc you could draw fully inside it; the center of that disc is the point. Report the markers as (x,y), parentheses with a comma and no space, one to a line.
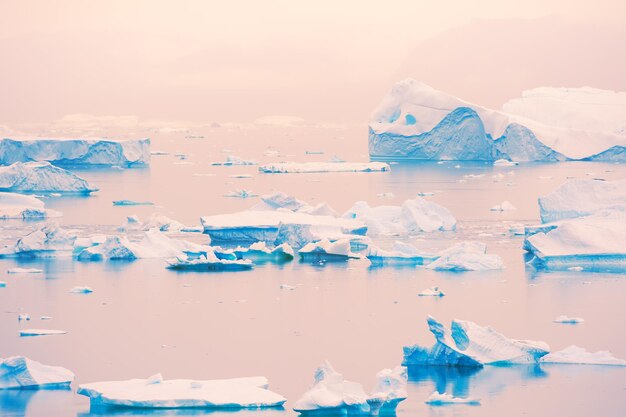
(41,332)
(504,206)
(466,256)
(259,252)
(568,320)
(413,216)
(234,160)
(81,290)
(19,372)
(24,271)
(578,198)
(445,399)
(402,254)
(415,121)
(132,203)
(327,251)
(25,207)
(42,177)
(68,152)
(48,241)
(431,292)
(158,221)
(240,194)
(467,344)
(154,392)
(208,262)
(322,167)
(331,393)
(577,355)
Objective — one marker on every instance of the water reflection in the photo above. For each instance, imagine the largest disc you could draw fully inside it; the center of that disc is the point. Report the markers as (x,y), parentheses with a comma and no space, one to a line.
(17,402)
(120,411)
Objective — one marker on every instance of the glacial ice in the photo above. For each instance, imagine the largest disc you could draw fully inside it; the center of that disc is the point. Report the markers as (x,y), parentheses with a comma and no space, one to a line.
(42,177)
(259,252)
(208,262)
(26,207)
(577,355)
(327,251)
(41,332)
(331,393)
(467,344)
(402,254)
(61,152)
(251,392)
(240,194)
(50,240)
(466,256)
(19,372)
(320,167)
(444,399)
(577,198)
(415,121)
(413,216)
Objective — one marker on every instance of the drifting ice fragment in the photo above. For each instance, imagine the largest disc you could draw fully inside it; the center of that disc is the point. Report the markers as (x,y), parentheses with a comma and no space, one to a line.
(24,271)
(81,290)
(41,332)
(327,251)
(444,399)
(578,355)
(42,177)
(259,252)
(132,203)
(466,256)
(568,320)
(234,160)
(320,167)
(504,206)
(431,292)
(21,372)
(18,206)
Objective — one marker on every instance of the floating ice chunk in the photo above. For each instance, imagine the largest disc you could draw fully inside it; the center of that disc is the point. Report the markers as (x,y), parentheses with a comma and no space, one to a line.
(577,355)
(504,206)
(81,290)
(287,287)
(18,206)
(24,271)
(279,200)
(61,151)
(445,399)
(413,216)
(468,344)
(327,251)
(432,292)
(49,241)
(42,177)
(234,160)
(45,318)
(132,203)
(568,320)
(240,194)
(208,262)
(21,372)
(23,317)
(402,254)
(234,393)
(466,256)
(41,332)
(387,195)
(578,198)
(259,252)
(504,163)
(517,229)
(390,390)
(337,159)
(3,284)
(319,167)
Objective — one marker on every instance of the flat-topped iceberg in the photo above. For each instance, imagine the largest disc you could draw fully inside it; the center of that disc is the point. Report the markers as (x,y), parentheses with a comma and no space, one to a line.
(415,121)
(20,372)
(577,355)
(466,256)
(155,392)
(50,240)
(413,216)
(332,393)
(467,344)
(578,198)
(61,151)
(319,167)
(25,207)
(327,251)
(401,254)
(445,399)
(42,177)
(208,262)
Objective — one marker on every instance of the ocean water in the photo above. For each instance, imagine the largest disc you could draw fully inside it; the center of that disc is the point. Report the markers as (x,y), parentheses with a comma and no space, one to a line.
(142,319)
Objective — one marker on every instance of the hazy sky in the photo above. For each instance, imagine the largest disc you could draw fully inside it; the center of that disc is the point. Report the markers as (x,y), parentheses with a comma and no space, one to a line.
(239,60)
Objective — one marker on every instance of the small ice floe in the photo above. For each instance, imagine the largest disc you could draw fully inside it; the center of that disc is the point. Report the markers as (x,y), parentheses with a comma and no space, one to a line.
(331,393)
(287,287)
(41,332)
(240,194)
(568,320)
(425,193)
(24,271)
(504,163)
(3,284)
(25,207)
(132,203)
(241,176)
(446,399)
(23,317)
(387,195)
(155,392)
(504,206)
(467,344)
(323,167)
(20,372)
(314,152)
(208,262)
(337,159)
(575,268)
(327,251)
(259,252)
(401,254)
(432,292)
(466,256)
(81,290)
(45,318)
(232,160)
(577,355)
(42,177)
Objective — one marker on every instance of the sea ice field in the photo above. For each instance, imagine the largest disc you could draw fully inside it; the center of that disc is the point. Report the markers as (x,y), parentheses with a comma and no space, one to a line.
(123,320)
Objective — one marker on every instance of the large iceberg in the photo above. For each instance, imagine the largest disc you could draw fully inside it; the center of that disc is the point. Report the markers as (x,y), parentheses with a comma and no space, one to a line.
(415,121)
(60,151)
(42,177)
(319,167)
(577,198)
(26,207)
(155,392)
(20,372)
(467,344)
(332,393)
(413,216)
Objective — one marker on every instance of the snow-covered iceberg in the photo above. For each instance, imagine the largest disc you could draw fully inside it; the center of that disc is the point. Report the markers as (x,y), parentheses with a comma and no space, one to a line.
(155,392)
(413,216)
(26,207)
(50,240)
(60,151)
(42,177)
(578,198)
(319,167)
(327,251)
(20,372)
(577,355)
(467,344)
(466,256)
(332,393)
(415,121)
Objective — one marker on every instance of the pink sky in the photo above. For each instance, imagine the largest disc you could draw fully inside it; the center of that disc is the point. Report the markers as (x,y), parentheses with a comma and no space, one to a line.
(235,61)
